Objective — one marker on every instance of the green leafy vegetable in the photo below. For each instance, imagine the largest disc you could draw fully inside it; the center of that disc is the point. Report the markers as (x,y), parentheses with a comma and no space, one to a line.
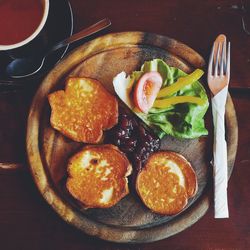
(184,120)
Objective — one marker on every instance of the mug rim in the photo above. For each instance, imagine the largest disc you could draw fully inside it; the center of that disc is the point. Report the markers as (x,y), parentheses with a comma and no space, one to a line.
(34,34)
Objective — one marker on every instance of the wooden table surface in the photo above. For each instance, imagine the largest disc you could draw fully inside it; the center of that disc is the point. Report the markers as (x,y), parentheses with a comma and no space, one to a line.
(27,222)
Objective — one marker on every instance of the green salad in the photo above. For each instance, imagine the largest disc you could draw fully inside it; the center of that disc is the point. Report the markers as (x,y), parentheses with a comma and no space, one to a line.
(181,120)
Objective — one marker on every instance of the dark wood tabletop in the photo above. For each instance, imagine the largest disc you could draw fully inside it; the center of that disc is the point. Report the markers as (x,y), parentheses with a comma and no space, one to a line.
(26,220)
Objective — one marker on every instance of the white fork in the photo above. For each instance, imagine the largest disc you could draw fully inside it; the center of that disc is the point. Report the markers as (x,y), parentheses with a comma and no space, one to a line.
(218,80)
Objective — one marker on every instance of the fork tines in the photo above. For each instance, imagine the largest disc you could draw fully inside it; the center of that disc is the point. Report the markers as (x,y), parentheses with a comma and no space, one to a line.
(219,60)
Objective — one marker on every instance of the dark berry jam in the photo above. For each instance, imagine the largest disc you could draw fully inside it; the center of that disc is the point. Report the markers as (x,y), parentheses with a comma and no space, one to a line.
(133,138)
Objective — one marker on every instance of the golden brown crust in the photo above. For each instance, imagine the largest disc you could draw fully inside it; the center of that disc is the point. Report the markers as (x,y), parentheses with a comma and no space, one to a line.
(189,173)
(166,182)
(83,110)
(98,176)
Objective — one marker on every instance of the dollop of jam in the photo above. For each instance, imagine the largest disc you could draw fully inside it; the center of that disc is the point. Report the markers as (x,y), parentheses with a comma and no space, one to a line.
(133,138)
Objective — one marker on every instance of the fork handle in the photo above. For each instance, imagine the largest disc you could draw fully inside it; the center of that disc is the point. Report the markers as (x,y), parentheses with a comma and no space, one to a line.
(220,155)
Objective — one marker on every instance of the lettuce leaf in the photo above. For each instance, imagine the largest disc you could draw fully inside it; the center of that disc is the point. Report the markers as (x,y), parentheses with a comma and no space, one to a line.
(184,120)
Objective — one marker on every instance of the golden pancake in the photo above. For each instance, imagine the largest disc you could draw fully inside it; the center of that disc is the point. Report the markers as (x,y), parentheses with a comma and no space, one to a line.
(83,110)
(98,176)
(166,182)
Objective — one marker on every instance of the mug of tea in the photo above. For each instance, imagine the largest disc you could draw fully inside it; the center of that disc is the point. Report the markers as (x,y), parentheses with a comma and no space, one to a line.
(21,21)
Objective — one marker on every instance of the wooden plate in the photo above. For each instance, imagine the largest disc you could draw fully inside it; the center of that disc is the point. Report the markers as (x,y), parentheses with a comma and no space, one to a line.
(48,151)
